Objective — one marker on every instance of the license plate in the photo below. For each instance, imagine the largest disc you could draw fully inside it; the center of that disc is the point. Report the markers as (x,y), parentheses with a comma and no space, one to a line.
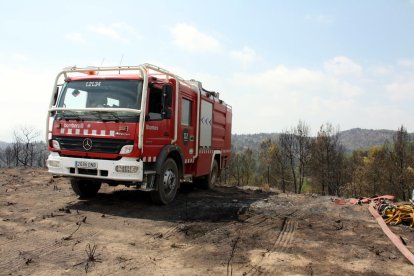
(86,165)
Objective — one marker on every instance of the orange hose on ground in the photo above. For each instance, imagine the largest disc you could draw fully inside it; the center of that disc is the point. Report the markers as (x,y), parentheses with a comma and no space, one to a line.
(395,240)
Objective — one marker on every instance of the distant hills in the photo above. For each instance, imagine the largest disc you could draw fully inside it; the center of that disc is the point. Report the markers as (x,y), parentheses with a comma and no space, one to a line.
(3,145)
(352,139)
(358,138)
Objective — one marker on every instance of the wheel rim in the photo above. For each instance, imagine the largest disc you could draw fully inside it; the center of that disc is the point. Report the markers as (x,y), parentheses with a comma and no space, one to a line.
(169,181)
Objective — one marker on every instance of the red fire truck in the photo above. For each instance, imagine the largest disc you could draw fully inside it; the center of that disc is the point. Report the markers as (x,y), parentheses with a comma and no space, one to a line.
(136,125)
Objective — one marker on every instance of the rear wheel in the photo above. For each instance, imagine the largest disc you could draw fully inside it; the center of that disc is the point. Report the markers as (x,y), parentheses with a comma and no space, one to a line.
(209,181)
(85,188)
(167,183)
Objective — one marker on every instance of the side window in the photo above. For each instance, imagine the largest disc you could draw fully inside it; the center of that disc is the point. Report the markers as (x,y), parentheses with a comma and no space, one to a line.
(155,104)
(186,112)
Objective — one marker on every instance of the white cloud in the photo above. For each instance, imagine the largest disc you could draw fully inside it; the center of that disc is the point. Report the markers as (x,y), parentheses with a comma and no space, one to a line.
(107,31)
(301,80)
(19,57)
(245,55)
(75,37)
(119,31)
(278,98)
(380,70)
(189,38)
(401,90)
(406,62)
(23,105)
(342,65)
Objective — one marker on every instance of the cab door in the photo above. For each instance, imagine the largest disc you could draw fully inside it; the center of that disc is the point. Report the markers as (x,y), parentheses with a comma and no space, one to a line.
(159,122)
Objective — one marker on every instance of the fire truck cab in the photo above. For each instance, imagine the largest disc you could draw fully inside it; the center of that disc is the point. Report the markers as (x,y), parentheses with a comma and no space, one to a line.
(136,125)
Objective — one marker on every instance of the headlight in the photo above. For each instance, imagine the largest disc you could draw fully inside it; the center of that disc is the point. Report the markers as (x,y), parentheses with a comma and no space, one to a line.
(126,149)
(53,163)
(126,169)
(55,144)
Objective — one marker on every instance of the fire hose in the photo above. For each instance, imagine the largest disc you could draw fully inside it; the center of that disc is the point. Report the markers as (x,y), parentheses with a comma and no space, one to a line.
(383,207)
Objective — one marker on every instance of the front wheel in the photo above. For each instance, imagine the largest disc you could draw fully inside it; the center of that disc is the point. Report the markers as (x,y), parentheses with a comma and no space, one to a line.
(85,188)
(167,183)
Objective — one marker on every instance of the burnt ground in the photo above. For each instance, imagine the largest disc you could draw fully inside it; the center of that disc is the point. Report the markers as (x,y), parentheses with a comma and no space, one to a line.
(45,229)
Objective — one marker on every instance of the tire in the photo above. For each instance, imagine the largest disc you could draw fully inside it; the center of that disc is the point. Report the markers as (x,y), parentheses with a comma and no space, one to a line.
(85,188)
(209,181)
(167,183)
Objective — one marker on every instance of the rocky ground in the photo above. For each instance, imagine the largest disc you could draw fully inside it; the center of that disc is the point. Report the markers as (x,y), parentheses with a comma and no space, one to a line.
(46,230)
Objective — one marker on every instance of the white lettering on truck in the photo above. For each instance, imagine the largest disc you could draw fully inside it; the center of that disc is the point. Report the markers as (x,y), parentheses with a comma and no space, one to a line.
(92,83)
(151,127)
(72,125)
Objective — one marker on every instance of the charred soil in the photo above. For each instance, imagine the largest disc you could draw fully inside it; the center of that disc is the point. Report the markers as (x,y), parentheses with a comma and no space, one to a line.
(45,229)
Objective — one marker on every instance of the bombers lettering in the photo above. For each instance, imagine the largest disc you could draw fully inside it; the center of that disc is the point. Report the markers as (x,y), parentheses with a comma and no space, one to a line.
(151,127)
(73,125)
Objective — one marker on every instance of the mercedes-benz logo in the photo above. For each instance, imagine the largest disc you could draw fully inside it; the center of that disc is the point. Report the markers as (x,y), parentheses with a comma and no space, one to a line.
(87,144)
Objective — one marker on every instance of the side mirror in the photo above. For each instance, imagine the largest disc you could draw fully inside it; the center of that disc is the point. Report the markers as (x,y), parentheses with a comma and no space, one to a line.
(75,93)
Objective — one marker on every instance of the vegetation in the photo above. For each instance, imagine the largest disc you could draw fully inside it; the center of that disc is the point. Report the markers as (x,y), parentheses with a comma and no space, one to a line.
(295,162)
(26,150)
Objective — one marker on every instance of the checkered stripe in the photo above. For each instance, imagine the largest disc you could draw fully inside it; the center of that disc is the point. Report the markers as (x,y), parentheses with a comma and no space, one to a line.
(78,131)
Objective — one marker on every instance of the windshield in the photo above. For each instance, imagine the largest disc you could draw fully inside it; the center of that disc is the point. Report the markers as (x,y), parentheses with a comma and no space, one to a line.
(101,94)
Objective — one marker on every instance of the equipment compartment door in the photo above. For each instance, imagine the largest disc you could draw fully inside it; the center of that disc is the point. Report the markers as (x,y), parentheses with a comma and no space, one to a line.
(206,120)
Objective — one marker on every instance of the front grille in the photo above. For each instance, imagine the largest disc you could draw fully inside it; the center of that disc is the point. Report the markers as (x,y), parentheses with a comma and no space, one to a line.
(101,145)
(87,172)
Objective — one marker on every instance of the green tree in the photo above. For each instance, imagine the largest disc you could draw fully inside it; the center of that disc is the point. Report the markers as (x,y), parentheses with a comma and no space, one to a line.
(375,168)
(247,168)
(274,165)
(235,168)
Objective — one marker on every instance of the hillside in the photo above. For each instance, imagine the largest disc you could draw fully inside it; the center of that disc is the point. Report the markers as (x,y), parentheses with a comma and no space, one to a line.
(252,141)
(3,145)
(358,138)
(352,139)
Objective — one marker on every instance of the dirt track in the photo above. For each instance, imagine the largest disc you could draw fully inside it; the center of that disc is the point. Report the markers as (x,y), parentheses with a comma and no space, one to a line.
(45,229)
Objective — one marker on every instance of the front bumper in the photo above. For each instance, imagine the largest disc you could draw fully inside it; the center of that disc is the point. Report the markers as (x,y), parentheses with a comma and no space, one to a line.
(105,169)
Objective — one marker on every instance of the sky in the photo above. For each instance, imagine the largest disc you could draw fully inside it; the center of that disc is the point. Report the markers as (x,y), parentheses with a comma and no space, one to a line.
(349,63)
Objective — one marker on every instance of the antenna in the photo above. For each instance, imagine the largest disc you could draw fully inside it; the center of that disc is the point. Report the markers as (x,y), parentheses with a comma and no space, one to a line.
(101,65)
(119,72)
